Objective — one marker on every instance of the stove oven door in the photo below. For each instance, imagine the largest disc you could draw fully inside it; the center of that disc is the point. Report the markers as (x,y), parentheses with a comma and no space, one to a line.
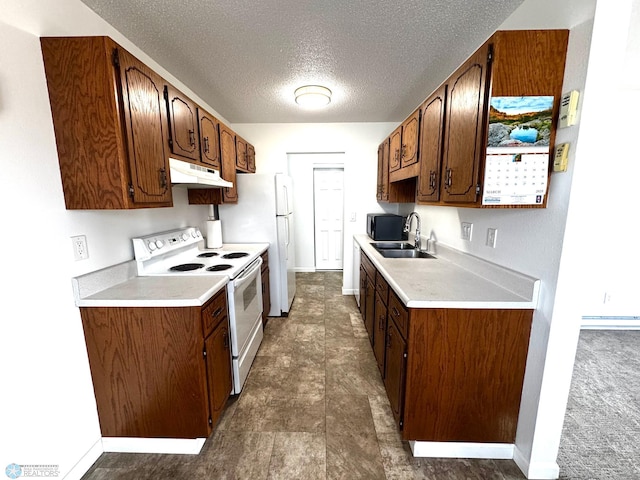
(245,312)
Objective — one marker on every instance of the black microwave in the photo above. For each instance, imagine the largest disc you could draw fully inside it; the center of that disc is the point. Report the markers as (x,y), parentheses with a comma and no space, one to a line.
(385,226)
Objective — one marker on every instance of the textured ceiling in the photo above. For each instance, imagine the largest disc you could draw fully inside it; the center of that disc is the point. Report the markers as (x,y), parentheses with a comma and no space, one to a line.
(246,57)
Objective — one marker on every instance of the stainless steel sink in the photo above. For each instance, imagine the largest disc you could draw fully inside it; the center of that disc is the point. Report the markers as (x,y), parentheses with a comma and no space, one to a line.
(393,246)
(404,253)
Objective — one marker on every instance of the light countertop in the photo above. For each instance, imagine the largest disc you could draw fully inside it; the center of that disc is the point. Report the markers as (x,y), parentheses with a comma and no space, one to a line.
(119,285)
(453,280)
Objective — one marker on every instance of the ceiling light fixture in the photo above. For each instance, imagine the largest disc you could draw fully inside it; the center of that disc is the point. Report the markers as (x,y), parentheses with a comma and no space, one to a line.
(313,96)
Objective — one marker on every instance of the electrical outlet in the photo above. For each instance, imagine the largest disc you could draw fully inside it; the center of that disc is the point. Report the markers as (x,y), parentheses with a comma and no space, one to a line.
(607,297)
(353,216)
(466,230)
(492,233)
(80,251)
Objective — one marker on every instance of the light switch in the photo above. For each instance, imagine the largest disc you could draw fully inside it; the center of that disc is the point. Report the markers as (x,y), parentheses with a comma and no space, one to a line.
(561,158)
(568,109)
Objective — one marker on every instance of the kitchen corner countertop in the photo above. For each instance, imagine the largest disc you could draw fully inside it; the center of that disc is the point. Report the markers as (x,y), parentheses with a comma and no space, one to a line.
(120,286)
(453,280)
(164,291)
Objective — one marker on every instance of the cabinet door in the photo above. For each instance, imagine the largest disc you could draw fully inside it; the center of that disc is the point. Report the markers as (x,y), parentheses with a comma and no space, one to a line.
(380,333)
(183,123)
(395,370)
(251,158)
(395,149)
(383,170)
(369,312)
(363,291)
(145,116)
(218,358)
(464,129)
(409,151)
(266,295)
(431,135)
(228,159)
(241,154)
(209,139)
(380,170)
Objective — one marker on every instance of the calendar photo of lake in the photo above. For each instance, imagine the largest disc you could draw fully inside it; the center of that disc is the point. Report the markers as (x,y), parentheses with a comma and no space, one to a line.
(520,121)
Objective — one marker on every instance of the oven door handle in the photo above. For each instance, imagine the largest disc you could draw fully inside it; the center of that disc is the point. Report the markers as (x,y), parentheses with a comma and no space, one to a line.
(248,274)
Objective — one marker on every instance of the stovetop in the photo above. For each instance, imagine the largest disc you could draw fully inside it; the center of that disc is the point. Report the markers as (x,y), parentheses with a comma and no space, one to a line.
(180,252)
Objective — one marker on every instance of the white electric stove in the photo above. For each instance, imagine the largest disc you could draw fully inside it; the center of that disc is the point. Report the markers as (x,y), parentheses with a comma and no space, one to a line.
(179,253)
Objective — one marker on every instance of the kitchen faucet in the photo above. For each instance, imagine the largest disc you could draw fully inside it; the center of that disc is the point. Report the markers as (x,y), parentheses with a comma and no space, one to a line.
(407,227)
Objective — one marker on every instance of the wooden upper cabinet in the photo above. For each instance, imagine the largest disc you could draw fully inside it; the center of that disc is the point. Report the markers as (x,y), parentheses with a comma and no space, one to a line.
(110,121)
(431,135)
(382,191)
(395,149)
(406,165)
(251,158)
(464,129)
(245,156)
(183,123)
(410,140)
(241,154)
(209,139)
(228,159)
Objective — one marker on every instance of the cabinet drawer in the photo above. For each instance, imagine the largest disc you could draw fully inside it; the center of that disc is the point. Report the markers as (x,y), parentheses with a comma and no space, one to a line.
(382,287)
(214,312)
(399,313)
(368,266)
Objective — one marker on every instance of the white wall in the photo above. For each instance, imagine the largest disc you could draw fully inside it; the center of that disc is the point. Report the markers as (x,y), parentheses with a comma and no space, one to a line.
(358,141)
(48,414)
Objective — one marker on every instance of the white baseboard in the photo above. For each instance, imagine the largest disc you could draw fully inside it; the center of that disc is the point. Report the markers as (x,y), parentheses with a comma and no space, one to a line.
(304,269)
(537,470)
(348,291)
(610,323)
(85,463)
(500,451)
(187,446)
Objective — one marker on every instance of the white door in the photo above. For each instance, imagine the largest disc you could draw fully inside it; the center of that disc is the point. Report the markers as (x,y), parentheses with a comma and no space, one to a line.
(328,214)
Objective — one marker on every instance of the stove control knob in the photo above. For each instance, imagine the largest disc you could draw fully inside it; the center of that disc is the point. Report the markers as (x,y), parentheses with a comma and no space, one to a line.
(195,233)
(152,246)
(159,243)
(185,237)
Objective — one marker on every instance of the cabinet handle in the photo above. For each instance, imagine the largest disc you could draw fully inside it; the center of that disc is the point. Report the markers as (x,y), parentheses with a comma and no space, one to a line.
(206,144)
(217,312)
(192,138)
(389,340)
(226,340)
(448,178)
(163,178)
(395,311)
(404,151)
(432,180)
(381,323)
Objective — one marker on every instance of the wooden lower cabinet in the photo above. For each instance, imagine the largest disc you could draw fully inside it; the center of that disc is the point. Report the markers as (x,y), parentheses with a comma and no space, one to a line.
(464,374)
(157,371)
(451,375)
(266,288)
(370,302)
(395,370)
(218,353)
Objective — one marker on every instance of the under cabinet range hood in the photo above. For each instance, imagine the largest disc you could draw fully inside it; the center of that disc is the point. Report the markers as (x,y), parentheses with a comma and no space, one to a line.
(195,176)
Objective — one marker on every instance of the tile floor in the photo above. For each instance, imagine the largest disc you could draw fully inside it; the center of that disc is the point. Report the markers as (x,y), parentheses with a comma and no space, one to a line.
(313,407)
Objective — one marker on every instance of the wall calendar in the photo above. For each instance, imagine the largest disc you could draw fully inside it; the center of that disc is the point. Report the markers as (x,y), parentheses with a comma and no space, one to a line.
(517,163)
